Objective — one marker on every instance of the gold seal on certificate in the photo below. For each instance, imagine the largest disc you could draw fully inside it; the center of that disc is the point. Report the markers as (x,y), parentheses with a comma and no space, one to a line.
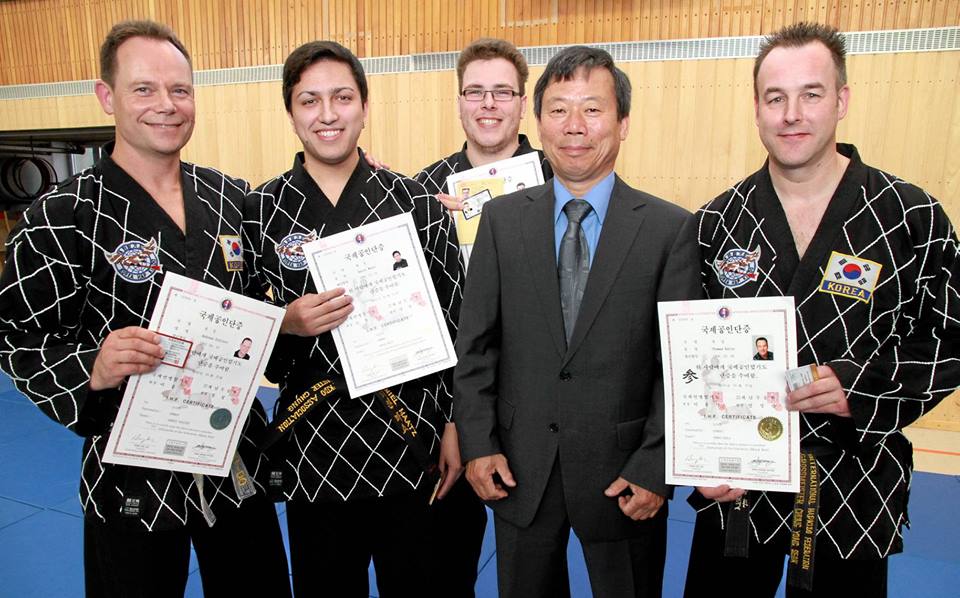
(770,428)
(724,372)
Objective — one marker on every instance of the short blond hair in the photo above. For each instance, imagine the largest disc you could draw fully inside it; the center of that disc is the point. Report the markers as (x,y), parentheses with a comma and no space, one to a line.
(125,30)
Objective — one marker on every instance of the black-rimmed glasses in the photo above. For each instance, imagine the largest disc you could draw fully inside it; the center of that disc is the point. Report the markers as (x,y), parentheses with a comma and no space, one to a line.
(475,94)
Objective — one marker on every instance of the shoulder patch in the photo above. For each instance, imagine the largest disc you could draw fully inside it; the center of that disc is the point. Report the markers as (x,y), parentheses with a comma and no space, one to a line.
(290,250)
(136,261)
(850,276)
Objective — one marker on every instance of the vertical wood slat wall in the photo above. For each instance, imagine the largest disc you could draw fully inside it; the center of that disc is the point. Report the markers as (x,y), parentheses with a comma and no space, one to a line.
(57,40)
(691,133)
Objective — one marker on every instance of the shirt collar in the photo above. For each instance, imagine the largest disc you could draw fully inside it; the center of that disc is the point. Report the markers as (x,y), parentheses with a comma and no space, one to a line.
(524,147)
(598,197)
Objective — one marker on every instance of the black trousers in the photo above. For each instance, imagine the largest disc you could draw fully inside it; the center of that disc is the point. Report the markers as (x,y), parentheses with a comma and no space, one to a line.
(532,561)
(241,555)
(459,521)
(759,575)
(331,544)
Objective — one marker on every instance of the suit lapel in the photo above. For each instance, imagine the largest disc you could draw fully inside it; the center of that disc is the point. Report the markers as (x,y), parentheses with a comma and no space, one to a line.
(540,244)
(620,228)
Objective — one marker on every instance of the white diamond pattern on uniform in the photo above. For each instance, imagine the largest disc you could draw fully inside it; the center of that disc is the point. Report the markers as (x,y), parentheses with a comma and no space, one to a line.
(895,354)
(61,295)
(346,448)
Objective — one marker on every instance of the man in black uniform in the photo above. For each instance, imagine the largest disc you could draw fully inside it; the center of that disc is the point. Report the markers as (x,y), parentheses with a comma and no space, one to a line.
(84,267)
(355,488)
(873,264)
(492,77)
(398,261)
(244,351)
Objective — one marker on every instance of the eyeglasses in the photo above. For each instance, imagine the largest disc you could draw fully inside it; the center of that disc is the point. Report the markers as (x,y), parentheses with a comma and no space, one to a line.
(475,94)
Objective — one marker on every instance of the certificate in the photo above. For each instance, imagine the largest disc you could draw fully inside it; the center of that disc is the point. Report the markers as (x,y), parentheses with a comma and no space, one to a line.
(396,331)
(187,414)
(724,366)
(478,185)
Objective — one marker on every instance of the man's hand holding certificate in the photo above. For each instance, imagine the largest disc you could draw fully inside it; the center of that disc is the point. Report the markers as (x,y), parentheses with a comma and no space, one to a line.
(396,331)
(187,414)
(726,420)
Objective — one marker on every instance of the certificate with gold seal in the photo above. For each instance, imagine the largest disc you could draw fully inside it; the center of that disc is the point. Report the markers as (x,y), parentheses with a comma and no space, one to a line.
(724,376)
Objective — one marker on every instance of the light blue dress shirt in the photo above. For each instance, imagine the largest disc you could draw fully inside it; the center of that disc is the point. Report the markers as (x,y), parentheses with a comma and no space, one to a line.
(599,199)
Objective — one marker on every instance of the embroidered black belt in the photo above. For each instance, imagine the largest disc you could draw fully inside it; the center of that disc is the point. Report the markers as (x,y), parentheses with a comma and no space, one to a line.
(329,388)
(803,532)
(803,535)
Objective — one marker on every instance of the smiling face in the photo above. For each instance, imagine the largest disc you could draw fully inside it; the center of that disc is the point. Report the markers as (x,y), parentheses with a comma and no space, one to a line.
(762,347)
(245,345)
(151,98)
(327,113)
(798,105)
(491,126)
(579,128)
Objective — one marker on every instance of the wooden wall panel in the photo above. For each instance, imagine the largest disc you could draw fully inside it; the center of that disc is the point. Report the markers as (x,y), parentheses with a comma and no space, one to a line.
(57,40)
(692,130)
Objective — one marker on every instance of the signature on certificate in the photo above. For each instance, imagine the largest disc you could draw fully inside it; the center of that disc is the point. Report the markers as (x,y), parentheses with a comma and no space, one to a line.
(141,442)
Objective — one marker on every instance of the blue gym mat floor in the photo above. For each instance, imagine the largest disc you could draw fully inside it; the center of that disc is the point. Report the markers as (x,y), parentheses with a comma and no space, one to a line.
(41,526)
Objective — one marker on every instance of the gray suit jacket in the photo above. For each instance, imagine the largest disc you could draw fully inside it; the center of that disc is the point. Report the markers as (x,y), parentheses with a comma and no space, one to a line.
(519,390)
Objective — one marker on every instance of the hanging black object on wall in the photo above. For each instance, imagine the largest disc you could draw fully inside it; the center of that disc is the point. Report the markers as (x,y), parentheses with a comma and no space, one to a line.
(25,178)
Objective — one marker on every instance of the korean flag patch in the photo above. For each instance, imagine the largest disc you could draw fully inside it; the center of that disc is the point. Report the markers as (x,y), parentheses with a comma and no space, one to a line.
(232,252)
(850,276)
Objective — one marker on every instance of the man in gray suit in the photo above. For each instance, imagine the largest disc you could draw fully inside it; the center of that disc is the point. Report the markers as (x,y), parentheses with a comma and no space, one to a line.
(559,389)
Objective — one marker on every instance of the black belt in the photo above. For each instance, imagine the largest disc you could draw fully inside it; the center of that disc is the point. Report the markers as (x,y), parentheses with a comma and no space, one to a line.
(329,388)
(303,403)
(737,539)
(803,534)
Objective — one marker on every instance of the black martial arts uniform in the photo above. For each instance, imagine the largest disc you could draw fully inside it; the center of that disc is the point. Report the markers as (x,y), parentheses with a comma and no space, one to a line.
(877,300)
(354,490)
(87,259)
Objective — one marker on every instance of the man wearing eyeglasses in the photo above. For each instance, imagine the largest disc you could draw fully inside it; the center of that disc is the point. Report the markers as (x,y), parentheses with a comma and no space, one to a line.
(492,75)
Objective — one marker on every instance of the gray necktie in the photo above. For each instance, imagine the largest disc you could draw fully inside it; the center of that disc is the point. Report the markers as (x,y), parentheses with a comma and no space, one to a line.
(573,264)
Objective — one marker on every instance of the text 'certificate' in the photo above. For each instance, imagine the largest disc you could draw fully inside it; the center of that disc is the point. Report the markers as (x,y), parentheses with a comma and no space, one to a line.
(187,414)
(726,421)
(396,331)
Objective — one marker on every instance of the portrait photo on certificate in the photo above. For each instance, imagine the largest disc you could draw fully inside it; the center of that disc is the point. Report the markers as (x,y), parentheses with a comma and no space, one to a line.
(724,369)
